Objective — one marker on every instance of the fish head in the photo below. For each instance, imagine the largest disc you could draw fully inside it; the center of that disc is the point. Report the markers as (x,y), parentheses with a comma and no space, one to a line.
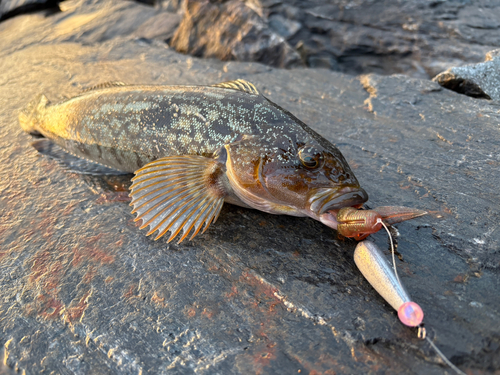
(294,177)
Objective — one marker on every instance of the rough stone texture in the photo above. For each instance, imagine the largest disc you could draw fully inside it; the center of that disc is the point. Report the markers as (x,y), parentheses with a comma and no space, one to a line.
(231,30)
(479,80)
(84,291)
(419,38)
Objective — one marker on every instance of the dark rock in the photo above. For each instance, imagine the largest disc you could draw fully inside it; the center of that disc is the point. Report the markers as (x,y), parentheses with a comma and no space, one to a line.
(83,290)
(322,60)
(11,8)
(291,12)
(479,80)
(418,38)
(231,30)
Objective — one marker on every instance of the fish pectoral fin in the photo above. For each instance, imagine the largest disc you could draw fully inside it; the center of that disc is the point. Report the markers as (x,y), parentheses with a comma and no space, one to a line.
(104,86)
(70,162)
(178,192)
(240,85)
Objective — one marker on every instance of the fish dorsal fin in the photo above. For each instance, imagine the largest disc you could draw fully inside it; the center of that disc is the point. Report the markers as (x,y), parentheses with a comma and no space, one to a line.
(239,84)
(178,192)
(42,102)
(104,85)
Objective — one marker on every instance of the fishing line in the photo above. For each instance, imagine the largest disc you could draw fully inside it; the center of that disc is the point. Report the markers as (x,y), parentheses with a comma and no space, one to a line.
(422,334)
(392,251)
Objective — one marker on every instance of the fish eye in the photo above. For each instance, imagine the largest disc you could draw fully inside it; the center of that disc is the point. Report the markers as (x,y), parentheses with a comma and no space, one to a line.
(310,157)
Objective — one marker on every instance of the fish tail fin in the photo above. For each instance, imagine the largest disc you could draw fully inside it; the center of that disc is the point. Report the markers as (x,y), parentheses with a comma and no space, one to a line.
(28,117)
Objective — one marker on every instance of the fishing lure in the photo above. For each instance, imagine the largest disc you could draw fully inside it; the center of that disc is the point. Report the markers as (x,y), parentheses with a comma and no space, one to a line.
(359,224)
(385,280)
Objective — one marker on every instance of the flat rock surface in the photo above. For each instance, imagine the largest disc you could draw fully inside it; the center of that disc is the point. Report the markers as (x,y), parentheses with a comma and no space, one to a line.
(83,290)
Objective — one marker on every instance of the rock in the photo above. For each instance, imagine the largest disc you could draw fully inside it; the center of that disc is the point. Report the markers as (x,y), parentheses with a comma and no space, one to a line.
(162,26)
(478,80)
(417,38)
(105,20)
(231,30)
(83,290)
(171,5)
(10,8)
(322,60)
(284,27)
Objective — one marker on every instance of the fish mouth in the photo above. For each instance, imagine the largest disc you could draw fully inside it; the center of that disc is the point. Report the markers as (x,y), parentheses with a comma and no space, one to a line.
(325,203)
(326,200)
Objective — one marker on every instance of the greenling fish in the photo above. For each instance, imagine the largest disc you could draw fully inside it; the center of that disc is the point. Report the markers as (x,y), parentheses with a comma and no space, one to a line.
(192,148)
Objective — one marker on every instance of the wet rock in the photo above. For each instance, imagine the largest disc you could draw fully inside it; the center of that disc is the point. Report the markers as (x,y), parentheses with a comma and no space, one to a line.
(479,80)
(231,30)
(83,290)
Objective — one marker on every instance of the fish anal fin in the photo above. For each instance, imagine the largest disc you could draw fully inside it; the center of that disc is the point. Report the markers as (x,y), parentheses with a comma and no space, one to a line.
(104,85)
(167,200)
(240,85)
(71,162)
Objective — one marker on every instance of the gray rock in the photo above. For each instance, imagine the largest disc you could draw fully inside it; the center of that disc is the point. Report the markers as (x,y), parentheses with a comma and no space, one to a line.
(417,38)
(322,60)
(478,80)
(83,290)
(284,27)
(231,30)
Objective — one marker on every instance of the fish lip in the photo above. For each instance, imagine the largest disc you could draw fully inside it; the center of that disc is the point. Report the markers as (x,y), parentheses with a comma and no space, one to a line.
(346,197)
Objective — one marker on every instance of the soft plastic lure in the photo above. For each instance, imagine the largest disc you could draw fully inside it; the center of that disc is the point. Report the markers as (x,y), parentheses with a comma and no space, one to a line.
(359,224)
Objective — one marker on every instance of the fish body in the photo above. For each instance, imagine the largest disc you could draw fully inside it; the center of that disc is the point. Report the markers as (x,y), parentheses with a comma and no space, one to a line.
(194,147)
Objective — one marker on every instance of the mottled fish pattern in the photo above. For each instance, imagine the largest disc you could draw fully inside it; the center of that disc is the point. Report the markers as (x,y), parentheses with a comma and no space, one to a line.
(250,145)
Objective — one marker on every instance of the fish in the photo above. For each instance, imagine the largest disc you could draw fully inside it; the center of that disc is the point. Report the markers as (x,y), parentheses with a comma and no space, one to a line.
(193,148)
